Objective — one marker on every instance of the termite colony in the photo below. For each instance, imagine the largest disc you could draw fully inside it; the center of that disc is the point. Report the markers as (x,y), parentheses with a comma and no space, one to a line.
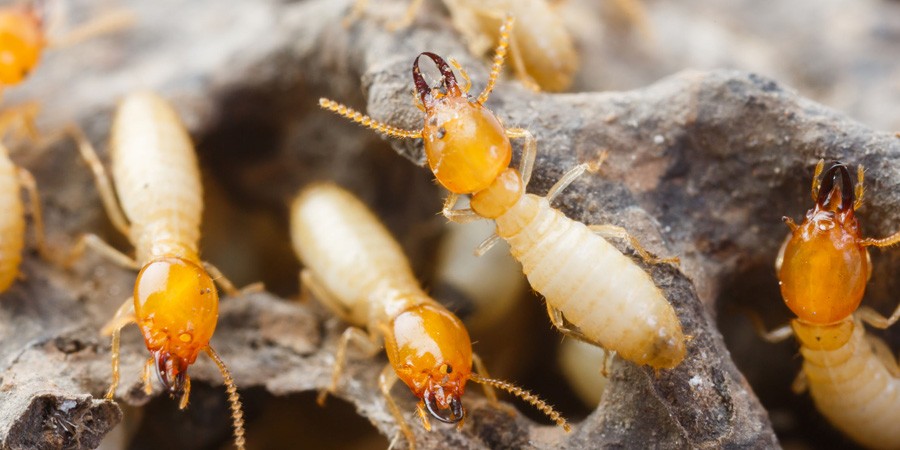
(598,283)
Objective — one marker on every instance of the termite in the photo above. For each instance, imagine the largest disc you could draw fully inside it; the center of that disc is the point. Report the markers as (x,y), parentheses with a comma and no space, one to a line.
(823,268)
(357,270)
(542,52)
(23,37)
(13,179)
(175,303)
(607,298)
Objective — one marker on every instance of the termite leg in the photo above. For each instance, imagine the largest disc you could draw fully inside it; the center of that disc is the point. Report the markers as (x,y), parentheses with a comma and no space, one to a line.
(367,121)
(407,18)
(775,336)
(94,242)
(480,369)
(816,182)
(110,22)
(309,283)
(875,319)
(26,180)
(124,316)
(227,285)
(499,56)
(573,174)
(458,215)
(519,67)
(884,354)
(800,383)
(607,361)
(556,317)
(146,376)
(365,341)
(565,181)
(101,180)
(23,114)
(386,381)
(486,245)
(617,232)
(529,152)
(423,416)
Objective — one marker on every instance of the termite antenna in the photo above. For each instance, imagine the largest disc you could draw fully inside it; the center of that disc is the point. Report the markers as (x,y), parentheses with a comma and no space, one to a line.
(524,395)
(499,56)
(367,121)
(237,413)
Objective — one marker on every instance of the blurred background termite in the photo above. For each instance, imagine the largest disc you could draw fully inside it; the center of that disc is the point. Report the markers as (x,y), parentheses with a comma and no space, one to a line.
(29,27)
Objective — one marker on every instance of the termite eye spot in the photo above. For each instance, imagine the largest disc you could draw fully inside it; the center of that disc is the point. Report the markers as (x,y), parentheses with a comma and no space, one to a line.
(441,132)
(449,368)
(185,337)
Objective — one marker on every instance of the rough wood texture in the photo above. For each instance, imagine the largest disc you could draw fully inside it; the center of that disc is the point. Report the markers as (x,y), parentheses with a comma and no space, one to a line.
(702,165)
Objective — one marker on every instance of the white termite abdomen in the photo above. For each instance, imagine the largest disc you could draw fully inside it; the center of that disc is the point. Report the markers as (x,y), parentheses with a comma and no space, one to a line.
(855,391)
(611,299)
(157,179)
(12,221)
(352,254)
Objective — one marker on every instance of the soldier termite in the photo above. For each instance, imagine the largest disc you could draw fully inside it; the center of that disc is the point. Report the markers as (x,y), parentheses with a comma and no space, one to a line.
(609,300)
(175,303)
(357,270)
(823,268)
(541,49)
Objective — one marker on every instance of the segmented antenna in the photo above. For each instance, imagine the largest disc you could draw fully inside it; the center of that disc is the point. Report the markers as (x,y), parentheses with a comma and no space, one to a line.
(499,56)
(237,414)
(524,395)
(367,121)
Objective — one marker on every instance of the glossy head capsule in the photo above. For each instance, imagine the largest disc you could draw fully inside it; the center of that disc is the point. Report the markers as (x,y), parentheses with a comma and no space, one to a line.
(824,267)
(176,306)
(21,43)
(466,145)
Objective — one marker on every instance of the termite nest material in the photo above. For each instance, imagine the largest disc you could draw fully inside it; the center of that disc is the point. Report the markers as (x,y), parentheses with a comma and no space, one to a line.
(694,161)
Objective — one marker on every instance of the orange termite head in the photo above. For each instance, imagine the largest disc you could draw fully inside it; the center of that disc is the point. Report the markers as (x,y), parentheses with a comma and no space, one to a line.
(430,350)
(822,267)
(176,306)
(21,42)
(465,144)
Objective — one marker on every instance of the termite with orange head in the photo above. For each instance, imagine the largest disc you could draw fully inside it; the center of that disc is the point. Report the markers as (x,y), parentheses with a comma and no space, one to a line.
(358,271)
(23,37)
(823,268)
(21,41)
(175,303)
(593,291)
